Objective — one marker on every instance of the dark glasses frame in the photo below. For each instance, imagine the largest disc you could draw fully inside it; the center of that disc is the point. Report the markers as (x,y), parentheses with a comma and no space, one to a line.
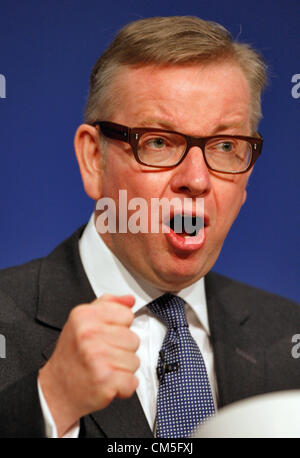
(132,135)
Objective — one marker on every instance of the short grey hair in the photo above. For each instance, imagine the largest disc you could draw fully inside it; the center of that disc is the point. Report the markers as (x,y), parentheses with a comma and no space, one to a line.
(177,40)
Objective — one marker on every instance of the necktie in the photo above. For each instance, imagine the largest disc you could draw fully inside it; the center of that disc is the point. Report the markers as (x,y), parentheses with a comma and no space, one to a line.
(184,395)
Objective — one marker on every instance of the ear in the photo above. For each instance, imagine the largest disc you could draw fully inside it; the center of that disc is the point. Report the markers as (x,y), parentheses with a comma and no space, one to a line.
(248,174)
(88,153)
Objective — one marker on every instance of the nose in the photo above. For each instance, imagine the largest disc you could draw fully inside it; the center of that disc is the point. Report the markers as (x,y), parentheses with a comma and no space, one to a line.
(192,177)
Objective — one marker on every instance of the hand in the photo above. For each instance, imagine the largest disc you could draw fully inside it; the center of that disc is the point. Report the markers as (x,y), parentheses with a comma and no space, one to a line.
(94,360)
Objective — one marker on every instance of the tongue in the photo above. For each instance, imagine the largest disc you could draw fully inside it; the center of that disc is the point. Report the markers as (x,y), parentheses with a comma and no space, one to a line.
(186,225)
(184,233)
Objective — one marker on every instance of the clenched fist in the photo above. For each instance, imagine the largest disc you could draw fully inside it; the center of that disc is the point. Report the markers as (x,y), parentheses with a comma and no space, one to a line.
(94,360)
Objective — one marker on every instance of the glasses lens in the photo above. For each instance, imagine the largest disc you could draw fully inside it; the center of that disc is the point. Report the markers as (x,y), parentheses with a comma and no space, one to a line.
(161,148)
(228,154)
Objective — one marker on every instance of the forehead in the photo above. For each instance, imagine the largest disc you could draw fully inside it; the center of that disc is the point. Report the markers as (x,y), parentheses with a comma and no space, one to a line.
(195,96)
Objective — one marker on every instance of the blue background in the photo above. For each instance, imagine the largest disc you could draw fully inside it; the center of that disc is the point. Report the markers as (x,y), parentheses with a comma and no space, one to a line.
(47,49)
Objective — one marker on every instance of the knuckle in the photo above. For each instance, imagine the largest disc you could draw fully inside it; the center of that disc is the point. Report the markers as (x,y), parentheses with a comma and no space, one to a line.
(134,383)
(87,330)
(136,362)
(77,314)
(103,312)
(103,350)
(109,393)
(127,315)
(96,365)
(84,351)
(129,387)
(94,354)
(102,374)
(85,333)
(135,340)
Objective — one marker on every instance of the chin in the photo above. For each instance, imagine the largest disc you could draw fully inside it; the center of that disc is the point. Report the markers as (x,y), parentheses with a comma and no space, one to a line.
(175,280)
(178,273)
(173,286)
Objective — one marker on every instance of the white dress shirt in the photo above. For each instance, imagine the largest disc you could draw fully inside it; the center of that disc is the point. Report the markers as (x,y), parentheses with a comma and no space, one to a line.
(107,274)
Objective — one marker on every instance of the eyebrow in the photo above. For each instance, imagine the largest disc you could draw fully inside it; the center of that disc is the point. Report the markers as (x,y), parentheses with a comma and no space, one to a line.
(222,127)
(152,122)
(160,123)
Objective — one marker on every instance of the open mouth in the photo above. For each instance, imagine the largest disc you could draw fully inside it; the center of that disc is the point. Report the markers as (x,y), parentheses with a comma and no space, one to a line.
(186,225)
(185,233)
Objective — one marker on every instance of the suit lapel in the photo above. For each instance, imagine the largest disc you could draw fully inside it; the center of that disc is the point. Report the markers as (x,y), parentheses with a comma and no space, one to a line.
(63,284)
(239,363)
(123,418)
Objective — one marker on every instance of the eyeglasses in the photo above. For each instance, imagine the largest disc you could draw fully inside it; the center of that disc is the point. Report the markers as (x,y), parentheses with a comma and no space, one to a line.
(165,148)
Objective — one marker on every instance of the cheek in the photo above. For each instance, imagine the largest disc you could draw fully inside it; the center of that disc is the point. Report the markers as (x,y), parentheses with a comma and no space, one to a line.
(229,197)
(130,176)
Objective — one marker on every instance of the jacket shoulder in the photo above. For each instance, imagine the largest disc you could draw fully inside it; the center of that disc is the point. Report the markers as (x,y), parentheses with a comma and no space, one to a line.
(227,286)
(270,315)
(19,284)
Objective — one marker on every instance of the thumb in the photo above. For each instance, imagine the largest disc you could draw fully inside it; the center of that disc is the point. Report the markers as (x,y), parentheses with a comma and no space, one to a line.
(127,299)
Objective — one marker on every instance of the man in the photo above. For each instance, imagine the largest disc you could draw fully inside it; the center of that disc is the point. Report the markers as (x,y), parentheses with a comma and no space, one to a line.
(83,325)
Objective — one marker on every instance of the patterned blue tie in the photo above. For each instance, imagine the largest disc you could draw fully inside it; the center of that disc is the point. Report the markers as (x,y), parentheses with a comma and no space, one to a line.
(184,396)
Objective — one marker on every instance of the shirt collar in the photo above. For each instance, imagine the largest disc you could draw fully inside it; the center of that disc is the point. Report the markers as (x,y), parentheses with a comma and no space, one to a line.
(107,274)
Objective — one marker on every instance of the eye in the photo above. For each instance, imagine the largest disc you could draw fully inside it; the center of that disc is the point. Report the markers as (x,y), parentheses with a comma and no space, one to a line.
(156,142)
(227,147)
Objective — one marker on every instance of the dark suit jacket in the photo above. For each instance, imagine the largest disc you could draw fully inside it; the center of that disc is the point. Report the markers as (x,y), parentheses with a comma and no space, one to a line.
(251,334)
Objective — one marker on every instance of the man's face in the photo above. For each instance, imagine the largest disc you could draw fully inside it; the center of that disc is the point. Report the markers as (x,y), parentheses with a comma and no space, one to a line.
(199,101)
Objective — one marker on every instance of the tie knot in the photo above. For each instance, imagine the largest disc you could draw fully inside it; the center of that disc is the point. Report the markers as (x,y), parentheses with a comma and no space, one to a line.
(170,309)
